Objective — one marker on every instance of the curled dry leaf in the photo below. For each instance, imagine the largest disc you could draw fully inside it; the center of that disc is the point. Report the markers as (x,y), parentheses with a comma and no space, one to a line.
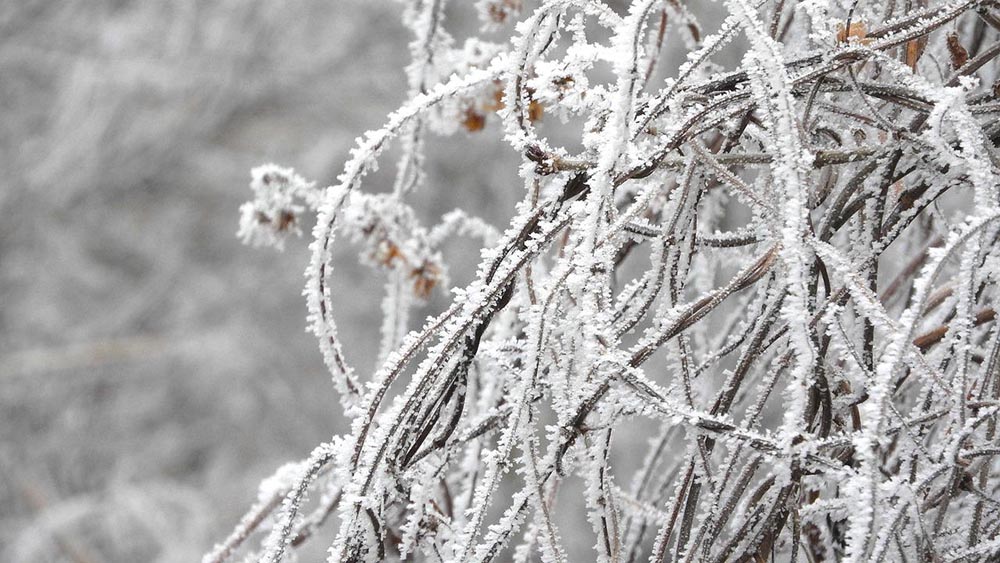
(959,56)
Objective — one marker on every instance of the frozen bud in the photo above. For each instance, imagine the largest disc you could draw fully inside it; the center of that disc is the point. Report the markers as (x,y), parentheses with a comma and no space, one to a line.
(275,210)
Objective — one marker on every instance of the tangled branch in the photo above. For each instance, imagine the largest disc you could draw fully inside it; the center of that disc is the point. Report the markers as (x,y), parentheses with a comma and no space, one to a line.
(786,269)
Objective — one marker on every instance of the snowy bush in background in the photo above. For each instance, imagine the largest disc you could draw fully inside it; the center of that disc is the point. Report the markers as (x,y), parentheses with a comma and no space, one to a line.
(770,273)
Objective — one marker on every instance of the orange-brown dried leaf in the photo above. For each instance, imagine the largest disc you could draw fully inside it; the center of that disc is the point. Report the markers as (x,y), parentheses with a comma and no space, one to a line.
(387,253)
(473,121)
(425,279)
(914,49)
(959,56)
(497,14)
(535,111)
(857,30)
(285,219)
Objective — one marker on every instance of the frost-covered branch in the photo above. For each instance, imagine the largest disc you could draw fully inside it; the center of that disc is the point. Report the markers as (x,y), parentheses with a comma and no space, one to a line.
(761,289)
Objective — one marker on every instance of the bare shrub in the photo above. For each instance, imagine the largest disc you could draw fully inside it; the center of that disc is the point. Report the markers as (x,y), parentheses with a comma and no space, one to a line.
(771,280)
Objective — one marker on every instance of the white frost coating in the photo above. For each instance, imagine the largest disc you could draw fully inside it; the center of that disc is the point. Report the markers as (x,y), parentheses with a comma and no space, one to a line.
(774,283)
(771,87)
(281,481)
(863,487)
(317,290)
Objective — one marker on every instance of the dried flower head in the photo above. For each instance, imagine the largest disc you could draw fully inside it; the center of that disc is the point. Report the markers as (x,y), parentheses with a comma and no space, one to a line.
(274,212)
